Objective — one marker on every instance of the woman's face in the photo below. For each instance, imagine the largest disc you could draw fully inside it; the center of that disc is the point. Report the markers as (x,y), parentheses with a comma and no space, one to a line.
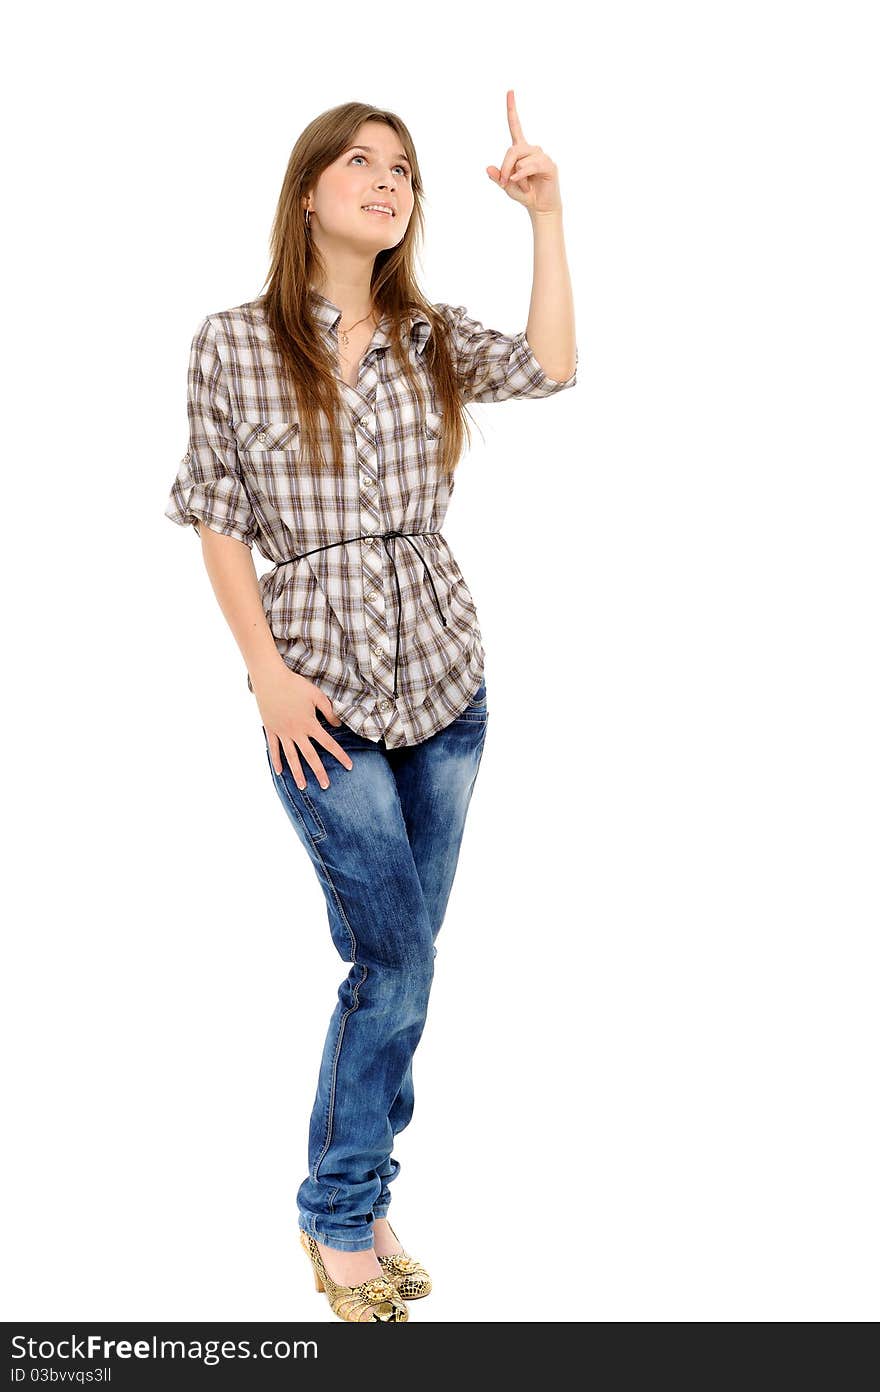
(373,169)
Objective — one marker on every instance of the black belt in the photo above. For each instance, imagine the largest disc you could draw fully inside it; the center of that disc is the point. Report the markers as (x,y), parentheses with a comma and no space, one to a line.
(386,537)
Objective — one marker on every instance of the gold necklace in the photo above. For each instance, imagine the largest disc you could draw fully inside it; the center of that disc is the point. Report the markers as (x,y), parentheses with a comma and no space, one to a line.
(346,332)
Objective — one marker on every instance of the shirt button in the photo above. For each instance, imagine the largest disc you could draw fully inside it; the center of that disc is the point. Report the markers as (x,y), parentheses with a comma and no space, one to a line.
(384,705)
(378,650)
(262,436)
(371,594)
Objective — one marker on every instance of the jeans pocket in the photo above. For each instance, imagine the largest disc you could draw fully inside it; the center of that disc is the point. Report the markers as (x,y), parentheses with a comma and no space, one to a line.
(477,708)
(297,803)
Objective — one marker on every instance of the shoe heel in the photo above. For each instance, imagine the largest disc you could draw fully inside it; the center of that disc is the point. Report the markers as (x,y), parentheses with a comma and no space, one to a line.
(304,1243)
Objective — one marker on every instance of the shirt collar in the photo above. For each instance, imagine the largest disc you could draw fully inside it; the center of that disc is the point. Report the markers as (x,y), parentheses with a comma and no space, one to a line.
(329,314)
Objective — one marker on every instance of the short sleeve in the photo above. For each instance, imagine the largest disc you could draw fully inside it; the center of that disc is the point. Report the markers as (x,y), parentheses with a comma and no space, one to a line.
(208,487)
(494,366)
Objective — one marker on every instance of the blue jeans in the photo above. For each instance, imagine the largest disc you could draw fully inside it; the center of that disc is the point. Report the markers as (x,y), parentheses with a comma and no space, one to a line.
(384,839)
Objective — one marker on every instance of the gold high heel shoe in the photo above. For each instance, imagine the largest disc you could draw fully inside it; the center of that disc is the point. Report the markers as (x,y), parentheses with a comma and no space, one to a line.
(409,1277)
(374,1301)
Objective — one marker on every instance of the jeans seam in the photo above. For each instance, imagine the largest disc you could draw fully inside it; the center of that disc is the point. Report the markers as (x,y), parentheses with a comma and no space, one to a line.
(332,1098)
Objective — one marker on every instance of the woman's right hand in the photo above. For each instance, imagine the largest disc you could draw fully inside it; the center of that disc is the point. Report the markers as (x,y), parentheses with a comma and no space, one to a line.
(287,702)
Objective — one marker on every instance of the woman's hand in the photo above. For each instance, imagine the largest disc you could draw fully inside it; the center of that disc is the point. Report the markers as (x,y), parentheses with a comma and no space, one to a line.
(527,174)
(287,704)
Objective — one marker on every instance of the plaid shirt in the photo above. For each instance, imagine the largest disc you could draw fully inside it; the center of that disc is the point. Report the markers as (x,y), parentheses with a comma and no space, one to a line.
(398,666)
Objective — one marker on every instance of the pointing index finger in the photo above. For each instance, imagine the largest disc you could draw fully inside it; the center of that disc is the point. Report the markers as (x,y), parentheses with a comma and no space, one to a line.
(516,130)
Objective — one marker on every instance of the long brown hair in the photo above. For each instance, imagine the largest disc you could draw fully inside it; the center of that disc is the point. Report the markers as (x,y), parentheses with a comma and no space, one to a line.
(308,365)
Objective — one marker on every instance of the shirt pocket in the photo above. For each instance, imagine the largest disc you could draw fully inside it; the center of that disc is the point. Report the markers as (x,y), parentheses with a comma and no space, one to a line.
(266,440)
(433,427)
(269,459)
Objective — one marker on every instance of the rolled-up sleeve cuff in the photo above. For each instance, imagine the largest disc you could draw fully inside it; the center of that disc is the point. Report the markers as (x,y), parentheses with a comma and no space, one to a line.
(529,375)
(221,505)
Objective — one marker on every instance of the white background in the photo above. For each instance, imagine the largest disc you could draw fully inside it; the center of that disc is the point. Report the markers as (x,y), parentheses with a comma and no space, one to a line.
(647,1087)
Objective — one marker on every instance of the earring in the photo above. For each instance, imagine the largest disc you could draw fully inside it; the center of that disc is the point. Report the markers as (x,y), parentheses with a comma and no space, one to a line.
(308,224)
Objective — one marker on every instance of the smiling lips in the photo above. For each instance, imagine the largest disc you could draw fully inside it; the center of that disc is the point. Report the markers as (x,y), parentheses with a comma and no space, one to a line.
(380,209)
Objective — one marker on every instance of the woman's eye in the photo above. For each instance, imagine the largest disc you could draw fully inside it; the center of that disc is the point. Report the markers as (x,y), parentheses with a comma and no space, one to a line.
(401,167)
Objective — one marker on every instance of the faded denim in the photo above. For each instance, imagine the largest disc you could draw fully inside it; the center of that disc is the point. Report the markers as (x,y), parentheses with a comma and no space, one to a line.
(384,840)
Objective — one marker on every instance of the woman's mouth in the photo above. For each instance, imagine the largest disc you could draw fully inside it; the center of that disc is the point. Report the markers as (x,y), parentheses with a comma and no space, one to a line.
(377,211)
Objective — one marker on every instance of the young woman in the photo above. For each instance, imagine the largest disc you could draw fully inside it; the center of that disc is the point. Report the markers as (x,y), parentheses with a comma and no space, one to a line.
(325,422)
